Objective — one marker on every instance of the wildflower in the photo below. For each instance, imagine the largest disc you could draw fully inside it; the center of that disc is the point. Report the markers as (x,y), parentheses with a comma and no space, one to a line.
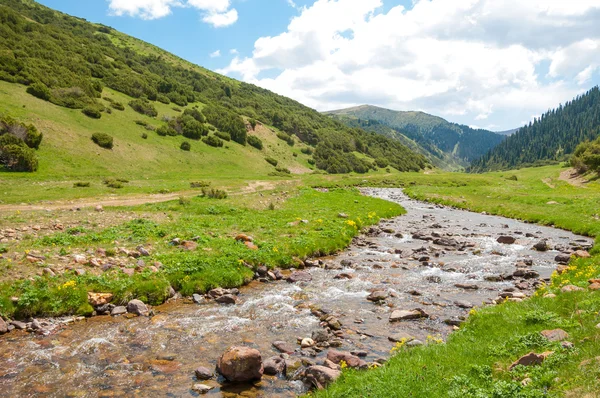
(343,364)
(67,285)
(351,223)
(276,250)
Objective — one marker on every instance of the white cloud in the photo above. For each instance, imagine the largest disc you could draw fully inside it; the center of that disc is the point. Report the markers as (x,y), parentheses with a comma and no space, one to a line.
(215,54)
(234,51)
(474,59)
(215,12)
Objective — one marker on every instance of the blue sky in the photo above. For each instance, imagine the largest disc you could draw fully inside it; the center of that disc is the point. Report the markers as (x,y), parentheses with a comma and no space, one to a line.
(484,63)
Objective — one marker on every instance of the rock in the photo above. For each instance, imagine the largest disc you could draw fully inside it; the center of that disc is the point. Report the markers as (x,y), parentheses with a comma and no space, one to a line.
(541,246)
(563,258)
(507,240)
(531,359)
(203,373)
(19,325)
(571,288)
(320,336)
(35,325)
(239,364)
(377,295)
(226,299)
(351,360)
(274,366)
(48,271)
(99,208)
(299,276)
(343,215)
(466,286)
(446,242)
(243,238)
(311,263)
(284,347)
(402,315)
(321,376)
(360,354)
(120,310)
(581,254)
(3,326)
(307,342)
(98,299)
(343,275)
(201,388)
(594,286)
(291,366)
(137,307)
(463,304)
(328,364)
(555,335)
(189,245)
(198,299)
(250,245)
(334,324)
(143,251)
(400,336)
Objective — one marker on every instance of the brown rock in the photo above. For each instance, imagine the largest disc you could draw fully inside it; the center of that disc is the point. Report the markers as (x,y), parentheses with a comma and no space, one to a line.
(3,326)
(530,359)
(299,276)
(507,240)
(243,238)
(571,288)
(284,347)
(251,246)
(555,335)
(203,373)
(594,286)
(403,315)
(97,299)
(581,254)
(274,366)
(351,360)
(241,364)
(137,307)
(321,376)
(226,299)
(377,295)
(189,245)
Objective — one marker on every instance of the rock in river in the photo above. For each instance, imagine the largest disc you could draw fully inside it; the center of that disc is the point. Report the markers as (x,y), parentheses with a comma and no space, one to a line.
(274,366)
(203,373)
(403,315)
(299,276)
(321,376)
(137,307)
(507,240)
(241,364)
(351,360)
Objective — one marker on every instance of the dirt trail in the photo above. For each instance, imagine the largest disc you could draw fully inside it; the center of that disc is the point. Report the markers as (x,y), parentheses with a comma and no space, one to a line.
(571,176)
(129,200)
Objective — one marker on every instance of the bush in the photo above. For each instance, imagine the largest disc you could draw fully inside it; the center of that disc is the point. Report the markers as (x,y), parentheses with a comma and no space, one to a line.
(286,138)
(144,107)
(81,185)
(185,146)
(18,158)
(213,141)
(163,98)
(191,128)
(587,156)
(23,133)
(199,184)
(213,193)
(223,136)
(144,136)
(176,109)
(283,170)
(165,130)
(252,124)
(512,178)
(196,114)
(272,161)
(307,151)
(39,90)
(118,106)
(117,183)
(92,112)
(255,142)
(141,123)
(103,140)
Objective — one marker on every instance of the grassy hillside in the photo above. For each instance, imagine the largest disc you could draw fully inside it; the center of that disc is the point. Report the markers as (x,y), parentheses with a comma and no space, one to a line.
(76,65)
(448,145)
(548,139)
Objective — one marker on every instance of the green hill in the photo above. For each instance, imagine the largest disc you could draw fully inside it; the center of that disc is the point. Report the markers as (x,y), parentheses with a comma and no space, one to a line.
(548,139)
(448,145)
(71,78)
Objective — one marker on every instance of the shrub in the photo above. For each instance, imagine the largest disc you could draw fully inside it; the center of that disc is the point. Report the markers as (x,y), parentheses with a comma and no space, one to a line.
(307,151)
(199,184)
(272,161)
(115,183)
(381,163)
(144,136)
(252,124)
(144,107)
(223,136)
(196,114)
(39,90)
(512,178)
(213,141)
(587,156)
(18,158)
(163,98)
(185,146)
(92,112)
(141,123)
(81,185)
(283,170)
(213,193)
(255,142)
(27,134)
(191,128)
(118,106)
(103,140)
(176,109)
(165,130)
(287,138)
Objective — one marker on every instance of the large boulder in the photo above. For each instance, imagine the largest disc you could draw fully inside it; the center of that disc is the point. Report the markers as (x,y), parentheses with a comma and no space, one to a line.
(284,347)
(507,240)
(239,364)
(321,376)
(137,307)
(3,326)
(98,299)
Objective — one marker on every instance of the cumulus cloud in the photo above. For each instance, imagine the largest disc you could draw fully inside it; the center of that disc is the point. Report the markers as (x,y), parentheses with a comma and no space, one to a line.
(215,54)
(476,59)
(215,12)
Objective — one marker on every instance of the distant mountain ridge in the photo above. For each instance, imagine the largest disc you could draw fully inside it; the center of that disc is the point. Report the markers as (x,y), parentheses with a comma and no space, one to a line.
(448,145)
(548,139)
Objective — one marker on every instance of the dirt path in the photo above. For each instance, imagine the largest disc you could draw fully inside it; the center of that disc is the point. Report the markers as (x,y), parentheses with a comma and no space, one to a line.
(548,182)
(129,200)
(570,176)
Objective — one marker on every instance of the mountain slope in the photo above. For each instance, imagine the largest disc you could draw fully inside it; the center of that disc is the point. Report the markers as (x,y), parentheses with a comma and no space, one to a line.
(550,138)
(72,68)
(448,145)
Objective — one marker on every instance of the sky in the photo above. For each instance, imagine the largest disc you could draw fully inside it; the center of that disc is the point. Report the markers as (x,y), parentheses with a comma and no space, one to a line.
(493,64)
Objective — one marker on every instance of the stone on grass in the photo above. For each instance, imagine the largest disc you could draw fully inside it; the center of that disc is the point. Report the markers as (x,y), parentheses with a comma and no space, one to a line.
(555,335)
(351,360)
(321,376)
(571,288)
(531,359)
(120,310)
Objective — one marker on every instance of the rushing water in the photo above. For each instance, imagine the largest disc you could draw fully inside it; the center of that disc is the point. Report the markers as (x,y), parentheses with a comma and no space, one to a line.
(155,357)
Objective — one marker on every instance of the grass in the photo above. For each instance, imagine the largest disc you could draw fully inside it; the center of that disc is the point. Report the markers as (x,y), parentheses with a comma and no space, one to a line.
(218,261)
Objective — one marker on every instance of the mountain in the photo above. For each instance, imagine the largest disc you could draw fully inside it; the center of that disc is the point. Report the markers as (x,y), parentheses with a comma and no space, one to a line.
(72,79)
(549,138)
(507,132)
(448,145)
